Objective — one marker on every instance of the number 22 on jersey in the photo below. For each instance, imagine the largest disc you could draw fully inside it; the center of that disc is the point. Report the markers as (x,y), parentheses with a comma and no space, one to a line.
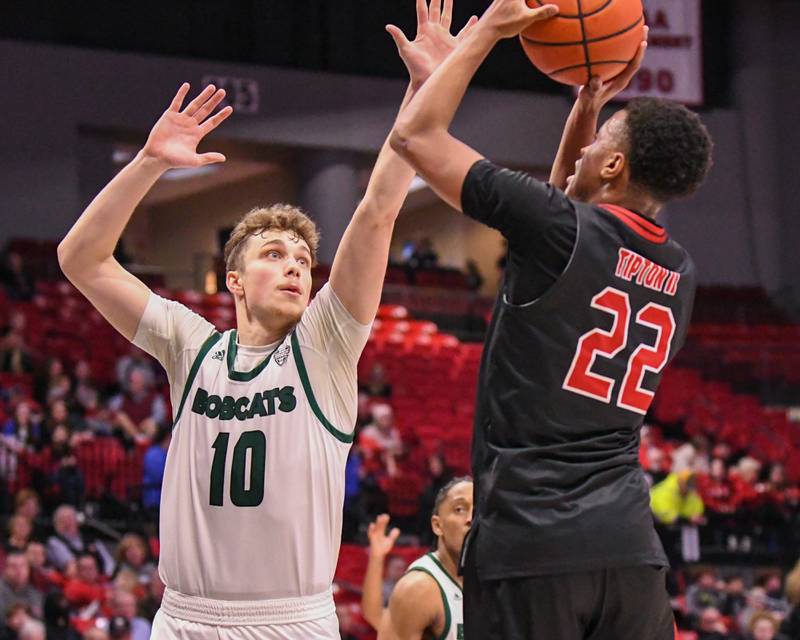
(582,380)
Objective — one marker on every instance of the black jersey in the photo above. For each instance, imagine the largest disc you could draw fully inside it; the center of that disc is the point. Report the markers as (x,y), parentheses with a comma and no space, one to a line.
(565,382)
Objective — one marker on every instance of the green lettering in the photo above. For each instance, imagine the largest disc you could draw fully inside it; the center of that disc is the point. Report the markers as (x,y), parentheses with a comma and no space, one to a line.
(228,403)
(240,408)
(213,406)
(200,401)
(269,396)
(257,407)
(288,401)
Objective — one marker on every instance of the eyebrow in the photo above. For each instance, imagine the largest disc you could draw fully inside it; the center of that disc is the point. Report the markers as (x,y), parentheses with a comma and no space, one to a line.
(302,247)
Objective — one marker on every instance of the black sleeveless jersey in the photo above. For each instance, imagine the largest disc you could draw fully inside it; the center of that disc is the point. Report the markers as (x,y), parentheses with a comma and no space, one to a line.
(564,385)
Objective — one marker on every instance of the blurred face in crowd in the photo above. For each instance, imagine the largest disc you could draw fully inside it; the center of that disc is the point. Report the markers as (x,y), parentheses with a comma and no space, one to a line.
(454,518)
(124,604)
(22,413)
(135,552)
(87,569)
(82,371)
(17,322)
(777,475)
(137,382)
(19,527)
(384,420)
(58,411)
(736,586)
(29,507)
(395,568)
(773,584)
(66,521)
(657,459)
(757,598)
(706,580)
(17,617)
(435,466)
(56,368)
(718,471)
(710,619)
(35,553)
(764,629)
(17,571)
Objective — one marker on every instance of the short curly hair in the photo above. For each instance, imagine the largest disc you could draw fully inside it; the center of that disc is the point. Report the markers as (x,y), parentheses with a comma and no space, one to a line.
(280,217)
(669,148)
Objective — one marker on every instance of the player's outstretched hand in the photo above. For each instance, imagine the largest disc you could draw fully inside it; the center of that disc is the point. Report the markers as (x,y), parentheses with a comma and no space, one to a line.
(381,543)
(433,42)
(174,138)
(596,93)
(509,18)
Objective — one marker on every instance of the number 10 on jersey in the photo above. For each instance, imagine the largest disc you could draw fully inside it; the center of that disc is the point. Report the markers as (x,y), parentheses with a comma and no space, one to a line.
(583,381)
(244,491)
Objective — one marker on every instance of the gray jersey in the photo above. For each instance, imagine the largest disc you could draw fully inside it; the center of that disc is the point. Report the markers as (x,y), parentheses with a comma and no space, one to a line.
(452,595)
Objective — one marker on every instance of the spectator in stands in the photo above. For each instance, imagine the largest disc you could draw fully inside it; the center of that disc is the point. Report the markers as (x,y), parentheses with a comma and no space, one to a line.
(67,543)
(119,628)
(756,603)
(139,408)
(20,529)
(692,455)
(423,255)
(28,504)
(395,569)
(93,633)
(763,626)
(380,440)
(711,626)
(15,357)
(15,587)
(43,575)
(85,391)
(21,433)
(87,589)
(48,380)
(16,279)
(66,475)
(676,498)
(123,604)
(704,593)
(438,475)
(716,489)
(735,600)
(132,555)
(657,466)
(60,389)
(474,279)
(32,630)
(134,359)
(155,460)
(791,625)
(150,603)
(354,513)
(377,386)
(349,627)
(56,618)
(15,618)
(748,492)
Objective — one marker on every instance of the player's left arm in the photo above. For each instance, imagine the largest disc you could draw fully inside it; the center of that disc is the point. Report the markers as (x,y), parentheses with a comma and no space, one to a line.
(360,264)
(414,608)
(581,125)
(421,133)
(380,544)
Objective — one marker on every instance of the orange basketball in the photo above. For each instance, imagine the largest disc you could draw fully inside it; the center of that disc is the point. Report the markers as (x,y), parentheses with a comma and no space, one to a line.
(587,38)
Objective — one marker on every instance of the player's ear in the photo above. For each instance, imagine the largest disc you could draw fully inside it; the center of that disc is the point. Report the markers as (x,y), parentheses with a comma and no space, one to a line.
(613,166)
(436,525)
(233,281)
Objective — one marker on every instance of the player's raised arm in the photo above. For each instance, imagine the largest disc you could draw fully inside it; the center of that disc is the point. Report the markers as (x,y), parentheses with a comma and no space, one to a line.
(421,132)
(581,125)
(380,544)
(86,253)
(360,263)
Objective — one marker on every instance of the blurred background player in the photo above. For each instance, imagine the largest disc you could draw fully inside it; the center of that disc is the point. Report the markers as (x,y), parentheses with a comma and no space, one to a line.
(427,601)
(596,300)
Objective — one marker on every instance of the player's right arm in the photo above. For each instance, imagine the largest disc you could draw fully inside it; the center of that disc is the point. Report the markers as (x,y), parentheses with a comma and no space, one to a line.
(581,126)
(415,606)
(86,253)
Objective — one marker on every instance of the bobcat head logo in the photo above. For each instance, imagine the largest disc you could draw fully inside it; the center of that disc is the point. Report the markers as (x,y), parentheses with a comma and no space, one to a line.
(282,354)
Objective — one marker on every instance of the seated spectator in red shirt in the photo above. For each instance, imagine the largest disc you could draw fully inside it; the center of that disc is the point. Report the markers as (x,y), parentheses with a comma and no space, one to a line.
(43,575)
(711,626)
(85,390)
(716,489)
(380,441)
(139,409)
(19,533)
(748,492)
(88,587)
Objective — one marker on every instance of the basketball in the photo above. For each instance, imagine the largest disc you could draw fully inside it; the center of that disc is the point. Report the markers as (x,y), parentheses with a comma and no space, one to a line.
(587,38)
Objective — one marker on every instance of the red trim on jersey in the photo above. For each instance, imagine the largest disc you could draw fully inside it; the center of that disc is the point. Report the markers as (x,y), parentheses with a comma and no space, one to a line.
(646,228)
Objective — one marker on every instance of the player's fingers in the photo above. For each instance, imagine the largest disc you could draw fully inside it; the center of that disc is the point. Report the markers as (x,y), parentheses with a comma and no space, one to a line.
(543,13)
(435,10)
(211,158)
(422,14)
(209,106)
(398,36)
(394,534)
(447,14)
(198,102)
(465,30)
(214,121)
(177,101)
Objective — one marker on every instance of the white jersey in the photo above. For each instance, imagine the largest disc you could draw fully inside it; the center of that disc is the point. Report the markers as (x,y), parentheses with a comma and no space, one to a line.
(452,595)
(251,504)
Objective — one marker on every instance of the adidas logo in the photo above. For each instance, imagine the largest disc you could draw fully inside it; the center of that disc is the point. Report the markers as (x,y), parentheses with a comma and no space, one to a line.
(218,355)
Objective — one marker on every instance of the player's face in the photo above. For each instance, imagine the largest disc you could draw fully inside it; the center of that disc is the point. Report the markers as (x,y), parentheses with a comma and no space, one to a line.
(276,278)
(454,518)
(593,168)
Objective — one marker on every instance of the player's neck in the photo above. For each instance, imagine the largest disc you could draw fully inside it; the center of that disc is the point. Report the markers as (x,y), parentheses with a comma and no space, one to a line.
(252,333)
(631,199)
(449,563)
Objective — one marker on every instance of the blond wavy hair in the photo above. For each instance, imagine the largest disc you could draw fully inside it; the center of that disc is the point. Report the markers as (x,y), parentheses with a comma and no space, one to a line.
(277,217)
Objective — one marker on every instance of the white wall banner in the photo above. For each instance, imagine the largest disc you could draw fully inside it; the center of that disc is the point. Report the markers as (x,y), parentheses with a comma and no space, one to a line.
(673,64)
